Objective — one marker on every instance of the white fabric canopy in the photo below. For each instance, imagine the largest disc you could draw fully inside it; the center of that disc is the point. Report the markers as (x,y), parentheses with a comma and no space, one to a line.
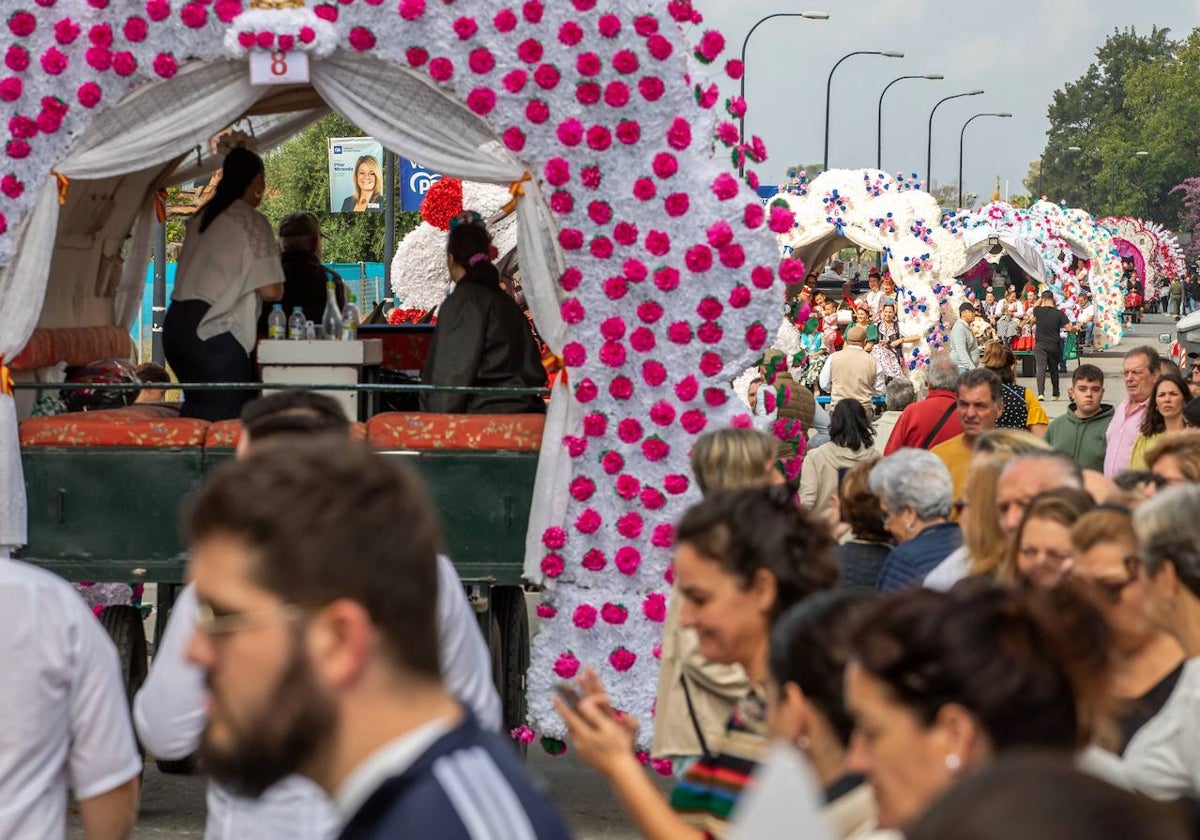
(1023,253)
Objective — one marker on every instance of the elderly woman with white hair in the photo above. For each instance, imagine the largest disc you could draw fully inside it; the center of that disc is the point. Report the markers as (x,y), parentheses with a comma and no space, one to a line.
(915,493)
(1163,758)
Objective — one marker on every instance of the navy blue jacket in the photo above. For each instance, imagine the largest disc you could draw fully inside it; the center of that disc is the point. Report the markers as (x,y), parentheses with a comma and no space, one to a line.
(909,562)
(469,785)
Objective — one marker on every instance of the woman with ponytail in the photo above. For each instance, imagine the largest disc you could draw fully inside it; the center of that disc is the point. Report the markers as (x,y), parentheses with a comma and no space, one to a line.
(229,265)
(482,337)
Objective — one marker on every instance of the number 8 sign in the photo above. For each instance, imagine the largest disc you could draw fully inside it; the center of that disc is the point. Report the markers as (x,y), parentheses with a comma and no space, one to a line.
(278,68)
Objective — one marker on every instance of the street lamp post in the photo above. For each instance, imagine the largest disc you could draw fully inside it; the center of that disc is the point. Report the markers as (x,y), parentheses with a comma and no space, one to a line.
(961,135)
(879,124)
(829,91)
(929,147)
(742,85)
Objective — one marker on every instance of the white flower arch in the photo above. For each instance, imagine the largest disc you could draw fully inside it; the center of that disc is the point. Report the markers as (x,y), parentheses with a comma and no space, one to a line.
(648,265)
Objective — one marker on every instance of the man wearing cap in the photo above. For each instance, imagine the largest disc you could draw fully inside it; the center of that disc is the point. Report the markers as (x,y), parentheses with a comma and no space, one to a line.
(305,277)
(850,372)
(964,349)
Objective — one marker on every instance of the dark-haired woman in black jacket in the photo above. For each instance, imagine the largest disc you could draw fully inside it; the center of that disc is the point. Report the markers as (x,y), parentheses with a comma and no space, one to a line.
(482,336)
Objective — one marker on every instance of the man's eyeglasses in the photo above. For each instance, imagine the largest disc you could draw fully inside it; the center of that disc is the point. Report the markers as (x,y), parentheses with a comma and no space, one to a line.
(212,625)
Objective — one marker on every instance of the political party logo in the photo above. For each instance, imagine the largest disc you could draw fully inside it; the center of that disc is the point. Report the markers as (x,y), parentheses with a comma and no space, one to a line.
(415,181)
(355,175)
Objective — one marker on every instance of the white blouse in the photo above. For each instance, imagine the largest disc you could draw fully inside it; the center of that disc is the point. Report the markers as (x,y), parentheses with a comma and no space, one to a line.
(1163,758)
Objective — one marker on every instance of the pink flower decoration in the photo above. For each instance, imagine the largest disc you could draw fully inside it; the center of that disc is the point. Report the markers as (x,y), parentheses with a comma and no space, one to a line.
(505,21)
(676,205)
(739,298)
(363,39)
(716,397)
(465,28)
(711,364)
(570,279)
(756,336)
(642,340)
(675,484)
(614,613)
(157,10)
(193,15)
(710,46)
(652,499)
(644,189)
(629,430)
(627,560)
(679,135)
(687,388)
(124,64)
(622,659)
(523,734)
(49,122)
(655,449)
(601,247)
(101,34)
(22,24)
(658,243)
(412,9)
(732,256)
(693,421)
(514,138)
(612,462)
(663,536)
(584,617)
(680,332)
(665,165)
(762,277)
(654,607)
(227,10)
(54,61)
(609,26)
(481,100)
(570,239)
(529,51)
(781,220)
(659,47)
(615,288)
(625,233)
(612,353)
(88,94)
(613,329)
(554,538)
(11,186)
(481,61)
(616,94)
(533,11)
(662,413)
(587,93)
(165,66)
(699,258)
(415,56)
(570,132)
(586,391)
(629,132)
(754,216)
(593,560)
(576,446)
(591,177)
(709,333)
(621,388)
(265,40)
(645,25)
(570,33)
(666,278)
(441,69)
(599,212)
(725,186)
(791,271)
(552,565)
(557,171)
(561,202)
(719,234)
(582,488)
(651,88)
(546,611)
(537,111)
(737,107)
(728,134)
(707,97)
(22,127)
(654,373)
(573,354)
(16,58)
(326,11)
(547,77)
(287,42)
(599,138)
(662,766)
(65,30)
(566,666)
(627,486)
(709,309)
(588,522)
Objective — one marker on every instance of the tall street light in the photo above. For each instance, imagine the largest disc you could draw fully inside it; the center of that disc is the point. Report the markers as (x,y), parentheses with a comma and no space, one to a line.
(879,125)
(961,135)
(742,85)
(929,148)
(829,91)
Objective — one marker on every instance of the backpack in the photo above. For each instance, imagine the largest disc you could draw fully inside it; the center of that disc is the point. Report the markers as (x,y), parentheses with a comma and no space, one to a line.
(1016,410)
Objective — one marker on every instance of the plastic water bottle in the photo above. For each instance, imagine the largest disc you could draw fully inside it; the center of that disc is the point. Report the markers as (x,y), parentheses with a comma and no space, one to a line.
(331,321)
(310,331)
(350,318)
(276,323)
(295,325)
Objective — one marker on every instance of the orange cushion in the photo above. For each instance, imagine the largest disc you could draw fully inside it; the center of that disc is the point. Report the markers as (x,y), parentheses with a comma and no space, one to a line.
(401,430)
(224,434)
(73,345)
(78,430)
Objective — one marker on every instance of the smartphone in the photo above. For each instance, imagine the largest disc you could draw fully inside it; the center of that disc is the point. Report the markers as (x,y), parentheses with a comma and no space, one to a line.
(569,695)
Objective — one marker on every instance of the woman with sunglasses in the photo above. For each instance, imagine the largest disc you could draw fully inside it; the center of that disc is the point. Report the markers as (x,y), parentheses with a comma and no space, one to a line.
(1147,661)
(482,337)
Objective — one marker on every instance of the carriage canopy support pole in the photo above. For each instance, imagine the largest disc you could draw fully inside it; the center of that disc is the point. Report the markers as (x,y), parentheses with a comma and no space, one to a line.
(389,216)
(159,300)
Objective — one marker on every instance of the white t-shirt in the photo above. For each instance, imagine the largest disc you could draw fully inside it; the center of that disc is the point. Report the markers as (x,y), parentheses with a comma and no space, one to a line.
(1163,757)
(66,716)
(169,715)
(223,266)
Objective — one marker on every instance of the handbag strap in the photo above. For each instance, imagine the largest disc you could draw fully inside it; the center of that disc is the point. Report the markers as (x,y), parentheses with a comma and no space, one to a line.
(934,432)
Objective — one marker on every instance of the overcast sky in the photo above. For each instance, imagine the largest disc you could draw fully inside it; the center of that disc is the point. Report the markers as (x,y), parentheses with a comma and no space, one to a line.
(1018,51)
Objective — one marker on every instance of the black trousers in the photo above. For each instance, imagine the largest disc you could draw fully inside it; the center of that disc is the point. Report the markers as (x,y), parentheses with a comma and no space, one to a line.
(219,359)
(1046,358)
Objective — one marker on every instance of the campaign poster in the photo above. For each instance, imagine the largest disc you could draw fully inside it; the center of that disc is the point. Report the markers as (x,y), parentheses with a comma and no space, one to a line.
(355,175)
(415,181)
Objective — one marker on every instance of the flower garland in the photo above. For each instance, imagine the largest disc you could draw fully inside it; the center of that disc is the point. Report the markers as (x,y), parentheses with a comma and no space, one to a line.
(283,30)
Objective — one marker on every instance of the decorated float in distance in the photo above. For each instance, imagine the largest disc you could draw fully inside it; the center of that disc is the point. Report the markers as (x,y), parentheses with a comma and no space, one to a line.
(1154,251)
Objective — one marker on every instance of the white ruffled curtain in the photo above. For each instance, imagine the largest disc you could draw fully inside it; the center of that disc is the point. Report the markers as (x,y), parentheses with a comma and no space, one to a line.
(442,134)
(1023,253)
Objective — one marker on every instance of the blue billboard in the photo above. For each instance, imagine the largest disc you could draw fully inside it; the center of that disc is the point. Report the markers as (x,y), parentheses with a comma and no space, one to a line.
(415,181)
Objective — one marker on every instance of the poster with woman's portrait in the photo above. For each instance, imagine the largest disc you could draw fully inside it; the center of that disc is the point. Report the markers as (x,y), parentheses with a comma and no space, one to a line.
(355,175)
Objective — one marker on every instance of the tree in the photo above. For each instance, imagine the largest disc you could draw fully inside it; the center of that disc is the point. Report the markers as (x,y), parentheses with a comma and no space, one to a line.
(1189,192)
(298,180)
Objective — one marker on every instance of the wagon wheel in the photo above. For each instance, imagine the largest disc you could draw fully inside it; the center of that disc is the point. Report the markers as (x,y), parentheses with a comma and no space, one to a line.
(124,626)
(509,643)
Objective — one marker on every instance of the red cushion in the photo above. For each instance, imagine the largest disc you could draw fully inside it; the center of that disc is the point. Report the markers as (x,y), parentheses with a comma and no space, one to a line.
(73,345)
(401,430)
(80,430)
(224,434)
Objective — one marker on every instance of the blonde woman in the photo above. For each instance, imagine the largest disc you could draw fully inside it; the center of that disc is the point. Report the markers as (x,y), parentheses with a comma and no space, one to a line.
(367,183)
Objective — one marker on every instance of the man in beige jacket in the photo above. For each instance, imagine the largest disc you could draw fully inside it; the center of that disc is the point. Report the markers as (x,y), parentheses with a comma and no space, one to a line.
(850,372)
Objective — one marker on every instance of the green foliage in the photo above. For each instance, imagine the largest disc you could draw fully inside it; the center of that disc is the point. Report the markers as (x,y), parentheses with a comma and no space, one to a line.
(1139,95)
(298,180)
